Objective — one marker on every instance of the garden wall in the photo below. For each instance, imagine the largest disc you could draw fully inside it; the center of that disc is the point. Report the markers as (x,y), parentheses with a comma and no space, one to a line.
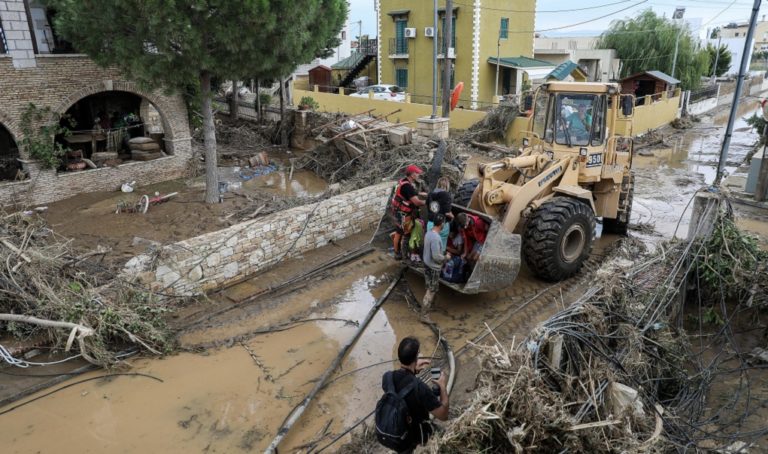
(209,261)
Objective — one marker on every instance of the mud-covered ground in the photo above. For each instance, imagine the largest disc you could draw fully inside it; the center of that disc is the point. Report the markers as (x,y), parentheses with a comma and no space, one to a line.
(231,388)
(90,219)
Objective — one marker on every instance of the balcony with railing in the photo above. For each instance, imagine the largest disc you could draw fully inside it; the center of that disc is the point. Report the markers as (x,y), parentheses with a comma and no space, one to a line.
(368,47)
(398,47)
(3,43)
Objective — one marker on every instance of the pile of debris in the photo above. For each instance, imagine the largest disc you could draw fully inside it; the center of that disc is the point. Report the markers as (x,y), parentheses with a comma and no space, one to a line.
(52,294)
(615,371)
(493,128)
(361,151)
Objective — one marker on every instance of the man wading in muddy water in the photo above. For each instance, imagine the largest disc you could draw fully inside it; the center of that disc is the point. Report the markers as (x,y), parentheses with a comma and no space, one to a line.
(420,399)
(433,263)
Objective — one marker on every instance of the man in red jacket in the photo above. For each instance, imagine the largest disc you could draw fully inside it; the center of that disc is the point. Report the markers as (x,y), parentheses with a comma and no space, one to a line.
(406,201)
(474,230)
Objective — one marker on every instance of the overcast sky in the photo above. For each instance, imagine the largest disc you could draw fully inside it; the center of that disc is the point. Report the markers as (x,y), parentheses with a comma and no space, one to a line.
(711,12)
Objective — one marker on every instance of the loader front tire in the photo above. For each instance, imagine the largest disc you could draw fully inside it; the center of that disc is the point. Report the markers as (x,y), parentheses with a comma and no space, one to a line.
(620,225)
(558,238)
(465,191)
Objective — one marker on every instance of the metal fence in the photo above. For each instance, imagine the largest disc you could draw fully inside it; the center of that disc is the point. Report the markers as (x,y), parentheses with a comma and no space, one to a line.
(703,93)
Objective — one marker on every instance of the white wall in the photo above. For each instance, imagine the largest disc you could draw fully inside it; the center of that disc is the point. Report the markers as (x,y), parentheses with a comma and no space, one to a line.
(736,48)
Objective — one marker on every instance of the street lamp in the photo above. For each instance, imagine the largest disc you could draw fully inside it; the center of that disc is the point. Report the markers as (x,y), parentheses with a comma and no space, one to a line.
(677,15)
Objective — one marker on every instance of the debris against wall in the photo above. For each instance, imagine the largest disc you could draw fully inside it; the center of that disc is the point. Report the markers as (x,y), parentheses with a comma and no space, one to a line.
(214,259)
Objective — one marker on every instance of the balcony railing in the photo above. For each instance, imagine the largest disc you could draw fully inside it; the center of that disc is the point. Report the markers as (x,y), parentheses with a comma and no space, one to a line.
(368,47)
(3,43)
(398,47)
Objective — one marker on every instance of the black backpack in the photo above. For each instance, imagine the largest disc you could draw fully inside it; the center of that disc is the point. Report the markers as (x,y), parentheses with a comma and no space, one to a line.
(393,419)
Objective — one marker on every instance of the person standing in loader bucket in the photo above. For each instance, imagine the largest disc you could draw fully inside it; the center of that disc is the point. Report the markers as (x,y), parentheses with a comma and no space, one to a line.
(406,201)
(434,258)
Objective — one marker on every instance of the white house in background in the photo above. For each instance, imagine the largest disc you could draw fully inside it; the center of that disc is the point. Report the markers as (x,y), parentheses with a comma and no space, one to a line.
(600,65)
(736,48)
(340,53)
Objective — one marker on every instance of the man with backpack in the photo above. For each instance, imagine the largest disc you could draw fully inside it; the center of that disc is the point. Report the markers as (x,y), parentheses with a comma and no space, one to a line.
(402,414)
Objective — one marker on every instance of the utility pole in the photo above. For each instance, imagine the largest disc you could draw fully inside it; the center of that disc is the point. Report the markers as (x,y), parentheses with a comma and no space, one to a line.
(717,56)
(678,14)
(447,61)
(434,66)
(737,93)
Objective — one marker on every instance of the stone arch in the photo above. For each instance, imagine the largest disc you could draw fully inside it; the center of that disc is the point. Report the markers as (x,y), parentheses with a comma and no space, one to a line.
(13,128)
(161,104)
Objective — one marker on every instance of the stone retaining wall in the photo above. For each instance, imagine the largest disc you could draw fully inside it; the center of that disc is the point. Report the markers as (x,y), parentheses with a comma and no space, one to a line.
(209,261)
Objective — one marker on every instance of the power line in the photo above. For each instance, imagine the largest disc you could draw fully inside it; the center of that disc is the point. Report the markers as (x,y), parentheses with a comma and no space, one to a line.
(586,21)
(506,10)
(718,14)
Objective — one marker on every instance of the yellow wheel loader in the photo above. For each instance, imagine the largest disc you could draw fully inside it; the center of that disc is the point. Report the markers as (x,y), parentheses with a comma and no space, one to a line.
(543,204)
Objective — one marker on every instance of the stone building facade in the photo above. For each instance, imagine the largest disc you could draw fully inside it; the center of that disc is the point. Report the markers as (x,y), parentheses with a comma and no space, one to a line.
(33,71)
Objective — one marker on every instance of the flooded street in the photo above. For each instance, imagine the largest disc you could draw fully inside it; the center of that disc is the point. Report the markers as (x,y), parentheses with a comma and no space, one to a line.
(244,369)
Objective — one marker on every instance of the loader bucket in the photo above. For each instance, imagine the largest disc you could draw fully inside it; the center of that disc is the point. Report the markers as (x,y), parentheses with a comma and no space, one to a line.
(499,262)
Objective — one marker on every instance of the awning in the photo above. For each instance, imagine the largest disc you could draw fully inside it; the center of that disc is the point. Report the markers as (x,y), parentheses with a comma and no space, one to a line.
(521,63)
(537,73)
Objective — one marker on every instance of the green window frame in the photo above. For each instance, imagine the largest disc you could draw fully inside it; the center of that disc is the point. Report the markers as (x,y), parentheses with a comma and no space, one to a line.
(401,77)
(504,28)
(401,42)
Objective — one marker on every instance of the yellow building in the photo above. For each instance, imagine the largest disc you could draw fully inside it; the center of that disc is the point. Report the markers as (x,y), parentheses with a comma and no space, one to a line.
(483,30)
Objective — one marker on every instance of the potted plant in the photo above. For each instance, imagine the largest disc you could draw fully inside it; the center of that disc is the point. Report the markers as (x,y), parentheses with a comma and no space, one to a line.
(307,103)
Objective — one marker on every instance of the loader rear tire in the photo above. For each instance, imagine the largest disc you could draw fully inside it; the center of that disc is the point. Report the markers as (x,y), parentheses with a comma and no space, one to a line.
(464,194)
(558,238)
(620,225)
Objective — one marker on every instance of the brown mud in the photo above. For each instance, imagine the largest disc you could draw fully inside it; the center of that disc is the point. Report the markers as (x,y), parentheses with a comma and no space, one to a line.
(90,220)
(233,387)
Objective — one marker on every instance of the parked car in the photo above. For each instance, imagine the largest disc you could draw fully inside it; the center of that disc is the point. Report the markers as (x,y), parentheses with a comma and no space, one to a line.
(382,92)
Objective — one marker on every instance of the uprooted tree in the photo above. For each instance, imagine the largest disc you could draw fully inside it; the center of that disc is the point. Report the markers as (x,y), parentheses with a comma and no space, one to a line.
(173,44)
(647,42)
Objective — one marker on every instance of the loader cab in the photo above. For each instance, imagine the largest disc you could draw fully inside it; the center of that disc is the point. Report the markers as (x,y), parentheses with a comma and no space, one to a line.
(566,121)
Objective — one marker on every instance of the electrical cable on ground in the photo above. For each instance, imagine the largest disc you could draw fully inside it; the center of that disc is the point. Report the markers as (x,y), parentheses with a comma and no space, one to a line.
(69,385)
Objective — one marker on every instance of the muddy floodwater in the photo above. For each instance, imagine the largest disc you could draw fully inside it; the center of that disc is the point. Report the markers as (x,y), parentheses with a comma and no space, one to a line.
(235,384)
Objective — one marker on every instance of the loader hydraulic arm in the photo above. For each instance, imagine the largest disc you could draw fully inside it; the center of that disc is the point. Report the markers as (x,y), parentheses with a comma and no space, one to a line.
(511,184)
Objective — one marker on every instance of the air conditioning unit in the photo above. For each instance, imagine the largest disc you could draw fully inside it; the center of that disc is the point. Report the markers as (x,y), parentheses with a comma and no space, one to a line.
(410,32)
(429,32)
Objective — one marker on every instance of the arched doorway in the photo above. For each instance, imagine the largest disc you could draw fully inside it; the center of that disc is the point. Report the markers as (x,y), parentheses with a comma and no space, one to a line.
(10,167)
(102,124)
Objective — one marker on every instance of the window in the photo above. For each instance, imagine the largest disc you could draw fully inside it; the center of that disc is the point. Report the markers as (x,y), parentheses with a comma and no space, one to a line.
(401,42)
(401,77)
(343,35)
(453,34)
(504,29)
(579,120)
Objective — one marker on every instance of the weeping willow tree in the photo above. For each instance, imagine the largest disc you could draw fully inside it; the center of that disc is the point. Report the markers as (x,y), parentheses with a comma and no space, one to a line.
(647,43)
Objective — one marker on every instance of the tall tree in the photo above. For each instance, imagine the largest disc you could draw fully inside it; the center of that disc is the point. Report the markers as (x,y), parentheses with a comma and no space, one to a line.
(723,59)
(647,42)
(172,43)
